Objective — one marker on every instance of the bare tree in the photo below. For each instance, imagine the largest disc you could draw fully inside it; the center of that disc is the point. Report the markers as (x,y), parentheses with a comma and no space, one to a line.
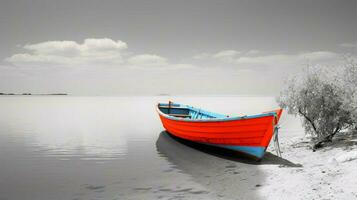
(315,96)
(349,84)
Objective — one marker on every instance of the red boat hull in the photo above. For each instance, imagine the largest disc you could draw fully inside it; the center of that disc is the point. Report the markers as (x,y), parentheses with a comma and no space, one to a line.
(248,132)
(253,134)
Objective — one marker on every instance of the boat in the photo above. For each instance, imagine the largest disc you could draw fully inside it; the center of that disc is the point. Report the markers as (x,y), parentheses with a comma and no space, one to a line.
(248,134)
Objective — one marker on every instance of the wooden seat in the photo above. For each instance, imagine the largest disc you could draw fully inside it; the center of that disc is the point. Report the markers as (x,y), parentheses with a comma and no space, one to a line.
(172,107)
(180,115)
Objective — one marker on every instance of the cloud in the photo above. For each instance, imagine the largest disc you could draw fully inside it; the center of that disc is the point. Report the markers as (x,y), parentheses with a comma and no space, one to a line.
(319,56)
(202,56)
(349,45)
(254,59)
(108,52)
(253,52)
(92,52)
(287,59)
(103,45)
(147,60)
(65,48)
(226,53)
(73,48)
(183,66)
(40,59)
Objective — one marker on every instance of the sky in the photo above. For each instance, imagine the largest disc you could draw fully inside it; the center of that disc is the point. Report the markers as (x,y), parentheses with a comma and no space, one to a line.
(191,47)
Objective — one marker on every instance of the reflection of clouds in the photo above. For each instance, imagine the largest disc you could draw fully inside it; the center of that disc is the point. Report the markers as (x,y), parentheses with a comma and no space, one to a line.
(87,149)
(84,128)
(87,143)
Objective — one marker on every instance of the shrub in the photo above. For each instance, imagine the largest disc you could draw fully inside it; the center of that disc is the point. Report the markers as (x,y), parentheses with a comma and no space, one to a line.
(316,96)
(349,84)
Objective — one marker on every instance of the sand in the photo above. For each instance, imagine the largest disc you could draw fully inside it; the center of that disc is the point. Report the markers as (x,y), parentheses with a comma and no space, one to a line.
(329,173)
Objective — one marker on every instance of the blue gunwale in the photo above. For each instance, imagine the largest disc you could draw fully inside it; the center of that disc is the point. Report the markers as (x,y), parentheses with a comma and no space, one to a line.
(215,116)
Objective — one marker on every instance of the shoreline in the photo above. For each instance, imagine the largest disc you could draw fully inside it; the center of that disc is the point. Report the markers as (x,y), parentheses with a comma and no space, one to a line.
(328,173)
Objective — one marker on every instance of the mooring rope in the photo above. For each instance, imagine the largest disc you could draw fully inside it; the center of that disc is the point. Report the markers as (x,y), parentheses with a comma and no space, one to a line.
(276,141)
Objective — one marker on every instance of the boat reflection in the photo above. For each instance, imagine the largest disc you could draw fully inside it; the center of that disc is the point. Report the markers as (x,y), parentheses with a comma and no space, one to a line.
(220,171)
(168,143)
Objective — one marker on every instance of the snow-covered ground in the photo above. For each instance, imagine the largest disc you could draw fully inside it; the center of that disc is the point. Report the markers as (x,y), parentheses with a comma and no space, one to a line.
(328,173)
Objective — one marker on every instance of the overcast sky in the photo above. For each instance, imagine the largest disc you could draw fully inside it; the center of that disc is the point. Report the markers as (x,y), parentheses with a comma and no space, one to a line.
(99,47)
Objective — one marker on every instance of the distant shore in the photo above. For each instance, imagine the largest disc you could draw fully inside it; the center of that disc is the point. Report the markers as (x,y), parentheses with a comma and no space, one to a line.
(27,94)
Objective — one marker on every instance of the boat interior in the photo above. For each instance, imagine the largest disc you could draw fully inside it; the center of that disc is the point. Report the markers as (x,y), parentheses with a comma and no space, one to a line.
(184,111)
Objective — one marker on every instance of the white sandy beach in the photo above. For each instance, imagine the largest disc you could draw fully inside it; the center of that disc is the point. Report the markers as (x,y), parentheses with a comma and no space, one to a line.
(328,173)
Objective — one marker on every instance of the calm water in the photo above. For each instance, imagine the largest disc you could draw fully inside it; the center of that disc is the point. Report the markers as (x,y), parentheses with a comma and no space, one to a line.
(114,148)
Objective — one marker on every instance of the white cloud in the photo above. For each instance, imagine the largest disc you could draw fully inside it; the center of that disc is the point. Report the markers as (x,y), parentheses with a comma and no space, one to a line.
(65,48)
(349,45)
(108,52)
(150,61)
(256,59)
(263,60)
(318,56)
(92,52)
(253,52)
(104,44)
(287,59)
(40,59)
(226,53)
(183,66)
(72,48)
(147,60)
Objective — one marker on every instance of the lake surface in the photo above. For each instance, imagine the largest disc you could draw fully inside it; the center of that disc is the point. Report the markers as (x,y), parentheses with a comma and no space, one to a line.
(68,147)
